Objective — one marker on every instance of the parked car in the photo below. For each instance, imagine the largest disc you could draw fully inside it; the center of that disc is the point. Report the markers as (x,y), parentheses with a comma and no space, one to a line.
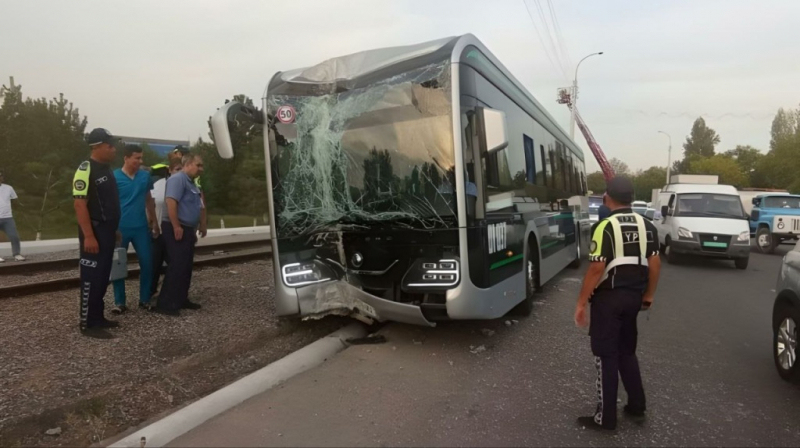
(786,316)
(775,218)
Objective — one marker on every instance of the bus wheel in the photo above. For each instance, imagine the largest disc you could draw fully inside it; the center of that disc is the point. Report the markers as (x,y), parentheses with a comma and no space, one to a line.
(576,263)
(525,308)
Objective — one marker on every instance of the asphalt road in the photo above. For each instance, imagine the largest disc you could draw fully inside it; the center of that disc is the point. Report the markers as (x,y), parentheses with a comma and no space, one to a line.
(705,354)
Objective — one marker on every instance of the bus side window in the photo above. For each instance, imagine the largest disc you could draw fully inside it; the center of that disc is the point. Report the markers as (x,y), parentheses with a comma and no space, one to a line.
(530,162)
(545,165)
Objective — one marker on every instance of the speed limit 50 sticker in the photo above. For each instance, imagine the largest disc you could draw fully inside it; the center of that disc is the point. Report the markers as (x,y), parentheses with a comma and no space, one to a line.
(286,114)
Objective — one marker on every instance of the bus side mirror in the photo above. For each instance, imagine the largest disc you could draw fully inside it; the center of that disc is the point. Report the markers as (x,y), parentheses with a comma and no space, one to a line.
(494,129)
(664,210)
(224,118)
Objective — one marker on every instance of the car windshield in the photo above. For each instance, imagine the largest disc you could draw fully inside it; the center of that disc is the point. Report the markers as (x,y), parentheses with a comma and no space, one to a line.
(782,202)
(709,204)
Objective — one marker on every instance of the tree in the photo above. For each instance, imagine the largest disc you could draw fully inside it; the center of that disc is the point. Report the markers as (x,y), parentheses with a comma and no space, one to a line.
(41,145)
(596,183)
(701,141)
(748,159)
(620,168)
(729,172)
(779,167)
(645,181)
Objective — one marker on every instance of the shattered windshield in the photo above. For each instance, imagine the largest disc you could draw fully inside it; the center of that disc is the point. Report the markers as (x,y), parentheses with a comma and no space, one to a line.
(377,156)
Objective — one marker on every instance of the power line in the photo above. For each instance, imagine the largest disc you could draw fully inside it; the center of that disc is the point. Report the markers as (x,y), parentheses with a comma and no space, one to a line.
(549,36)
(559,34)
(536,28)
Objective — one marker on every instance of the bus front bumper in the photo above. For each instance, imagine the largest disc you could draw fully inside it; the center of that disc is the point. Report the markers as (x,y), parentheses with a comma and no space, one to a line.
(341,298)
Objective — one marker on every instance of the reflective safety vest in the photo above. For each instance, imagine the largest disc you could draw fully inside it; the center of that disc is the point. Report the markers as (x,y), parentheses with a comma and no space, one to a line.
(619,243)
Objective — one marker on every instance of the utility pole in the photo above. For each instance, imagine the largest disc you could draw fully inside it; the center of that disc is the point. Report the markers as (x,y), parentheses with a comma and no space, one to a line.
(669,154)
(574,95)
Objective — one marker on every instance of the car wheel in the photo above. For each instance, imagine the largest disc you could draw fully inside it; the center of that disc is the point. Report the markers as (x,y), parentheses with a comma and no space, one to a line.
(784,343)
(765,241)
(672,257)
(741,263)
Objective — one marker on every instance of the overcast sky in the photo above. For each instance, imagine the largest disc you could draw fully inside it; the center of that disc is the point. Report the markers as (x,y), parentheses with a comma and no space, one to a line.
(160,68)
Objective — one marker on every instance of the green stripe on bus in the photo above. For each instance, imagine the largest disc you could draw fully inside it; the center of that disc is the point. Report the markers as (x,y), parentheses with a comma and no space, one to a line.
(502,263)
(710,244)
(551,244)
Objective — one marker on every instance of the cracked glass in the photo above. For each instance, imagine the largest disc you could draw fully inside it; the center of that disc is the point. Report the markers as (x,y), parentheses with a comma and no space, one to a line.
(377,156)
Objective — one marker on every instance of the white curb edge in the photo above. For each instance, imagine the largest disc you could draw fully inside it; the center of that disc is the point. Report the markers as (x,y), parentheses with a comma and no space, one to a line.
(185,419)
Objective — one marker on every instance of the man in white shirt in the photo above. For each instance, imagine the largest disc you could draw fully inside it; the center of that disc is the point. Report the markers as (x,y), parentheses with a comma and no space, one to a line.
(159,250)
(7,224)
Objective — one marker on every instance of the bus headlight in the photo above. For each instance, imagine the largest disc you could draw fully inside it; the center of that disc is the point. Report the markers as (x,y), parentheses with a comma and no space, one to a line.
(781,225)
(301,274)
(432,274)
(744,236)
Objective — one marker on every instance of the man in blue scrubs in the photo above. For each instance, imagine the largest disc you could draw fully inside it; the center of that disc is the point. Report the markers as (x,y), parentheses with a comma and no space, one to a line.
(138,218)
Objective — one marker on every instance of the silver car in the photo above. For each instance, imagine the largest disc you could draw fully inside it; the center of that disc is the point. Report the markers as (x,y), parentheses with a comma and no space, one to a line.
(786,316)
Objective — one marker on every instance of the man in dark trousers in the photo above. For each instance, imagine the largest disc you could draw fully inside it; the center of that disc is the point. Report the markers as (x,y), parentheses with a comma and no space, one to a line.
(98,212)
(621,280)
(184,207)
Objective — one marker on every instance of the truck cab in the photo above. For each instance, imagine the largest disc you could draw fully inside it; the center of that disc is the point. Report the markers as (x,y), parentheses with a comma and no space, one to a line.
(775,218)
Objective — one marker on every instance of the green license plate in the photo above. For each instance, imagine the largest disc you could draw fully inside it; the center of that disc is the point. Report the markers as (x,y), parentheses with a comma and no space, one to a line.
(712,244)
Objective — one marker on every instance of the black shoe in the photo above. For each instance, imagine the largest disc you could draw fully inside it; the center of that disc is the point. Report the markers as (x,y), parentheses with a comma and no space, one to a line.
(173,313)
(589,423)
(634,414)
(96,333)
(191,305)
(146,306)
(105,323)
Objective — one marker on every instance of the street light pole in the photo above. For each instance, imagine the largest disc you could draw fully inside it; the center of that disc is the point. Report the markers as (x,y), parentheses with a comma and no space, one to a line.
(669,154)
(575,96)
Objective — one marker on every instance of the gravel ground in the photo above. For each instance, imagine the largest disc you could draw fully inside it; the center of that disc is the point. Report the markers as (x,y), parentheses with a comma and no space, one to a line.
(20,279)
(52,377)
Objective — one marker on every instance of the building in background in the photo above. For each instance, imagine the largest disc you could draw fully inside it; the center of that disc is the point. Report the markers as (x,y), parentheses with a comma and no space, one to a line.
(160,146)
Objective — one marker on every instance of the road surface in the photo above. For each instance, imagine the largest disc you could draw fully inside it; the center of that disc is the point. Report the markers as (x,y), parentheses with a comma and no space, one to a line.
(705,354)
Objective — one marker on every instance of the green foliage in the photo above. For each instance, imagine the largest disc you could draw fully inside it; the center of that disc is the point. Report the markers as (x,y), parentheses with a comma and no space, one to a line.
(645,181)
(596,183)
(701,141)
(729,172)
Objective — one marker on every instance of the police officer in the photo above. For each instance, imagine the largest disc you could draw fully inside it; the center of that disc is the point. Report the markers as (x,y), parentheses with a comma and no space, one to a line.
(621,281)
(98,212)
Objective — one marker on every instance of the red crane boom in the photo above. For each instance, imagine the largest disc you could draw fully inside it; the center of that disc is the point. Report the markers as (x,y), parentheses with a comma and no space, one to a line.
(608,171)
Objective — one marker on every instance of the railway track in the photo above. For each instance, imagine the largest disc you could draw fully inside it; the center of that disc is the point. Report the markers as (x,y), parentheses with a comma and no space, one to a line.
(244,251)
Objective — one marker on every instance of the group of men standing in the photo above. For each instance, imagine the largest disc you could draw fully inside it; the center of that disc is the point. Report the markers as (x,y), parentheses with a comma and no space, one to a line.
(122,207)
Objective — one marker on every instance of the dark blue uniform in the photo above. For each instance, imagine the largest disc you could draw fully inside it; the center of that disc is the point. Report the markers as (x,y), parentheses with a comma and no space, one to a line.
(615,304)
(94,182)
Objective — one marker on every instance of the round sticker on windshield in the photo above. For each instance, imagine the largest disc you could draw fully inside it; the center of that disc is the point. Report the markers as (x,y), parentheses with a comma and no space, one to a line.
(286,114)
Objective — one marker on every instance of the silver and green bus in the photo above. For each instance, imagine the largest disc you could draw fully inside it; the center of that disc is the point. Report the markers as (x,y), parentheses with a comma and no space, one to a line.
(415,184)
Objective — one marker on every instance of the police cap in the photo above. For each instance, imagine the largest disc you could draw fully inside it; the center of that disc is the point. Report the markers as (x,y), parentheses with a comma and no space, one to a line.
(100,135)
(620,189)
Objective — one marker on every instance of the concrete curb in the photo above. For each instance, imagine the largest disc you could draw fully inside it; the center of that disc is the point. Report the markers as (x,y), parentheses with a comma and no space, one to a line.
(185,419)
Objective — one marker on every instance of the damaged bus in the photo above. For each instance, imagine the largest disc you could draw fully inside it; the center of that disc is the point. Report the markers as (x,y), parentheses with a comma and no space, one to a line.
(414,184)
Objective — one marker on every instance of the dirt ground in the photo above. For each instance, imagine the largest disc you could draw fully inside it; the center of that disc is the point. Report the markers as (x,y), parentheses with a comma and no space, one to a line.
(85,390)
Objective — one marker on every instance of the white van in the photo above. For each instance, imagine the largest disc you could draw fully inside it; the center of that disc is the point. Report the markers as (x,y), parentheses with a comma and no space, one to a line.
(703,220)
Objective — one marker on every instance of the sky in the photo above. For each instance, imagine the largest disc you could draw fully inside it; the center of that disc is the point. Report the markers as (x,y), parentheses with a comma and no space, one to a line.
(159,69)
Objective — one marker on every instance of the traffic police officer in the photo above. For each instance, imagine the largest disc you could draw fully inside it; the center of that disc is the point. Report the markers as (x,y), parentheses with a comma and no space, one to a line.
(621,281)
(98,213)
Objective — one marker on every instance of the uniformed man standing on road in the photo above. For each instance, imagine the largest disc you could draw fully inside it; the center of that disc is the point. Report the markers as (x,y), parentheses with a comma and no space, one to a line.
(98,212)
(621,281)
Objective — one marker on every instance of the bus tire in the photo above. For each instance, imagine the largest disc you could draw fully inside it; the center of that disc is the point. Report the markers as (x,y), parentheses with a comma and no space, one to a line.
(576,263)
(525,308)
